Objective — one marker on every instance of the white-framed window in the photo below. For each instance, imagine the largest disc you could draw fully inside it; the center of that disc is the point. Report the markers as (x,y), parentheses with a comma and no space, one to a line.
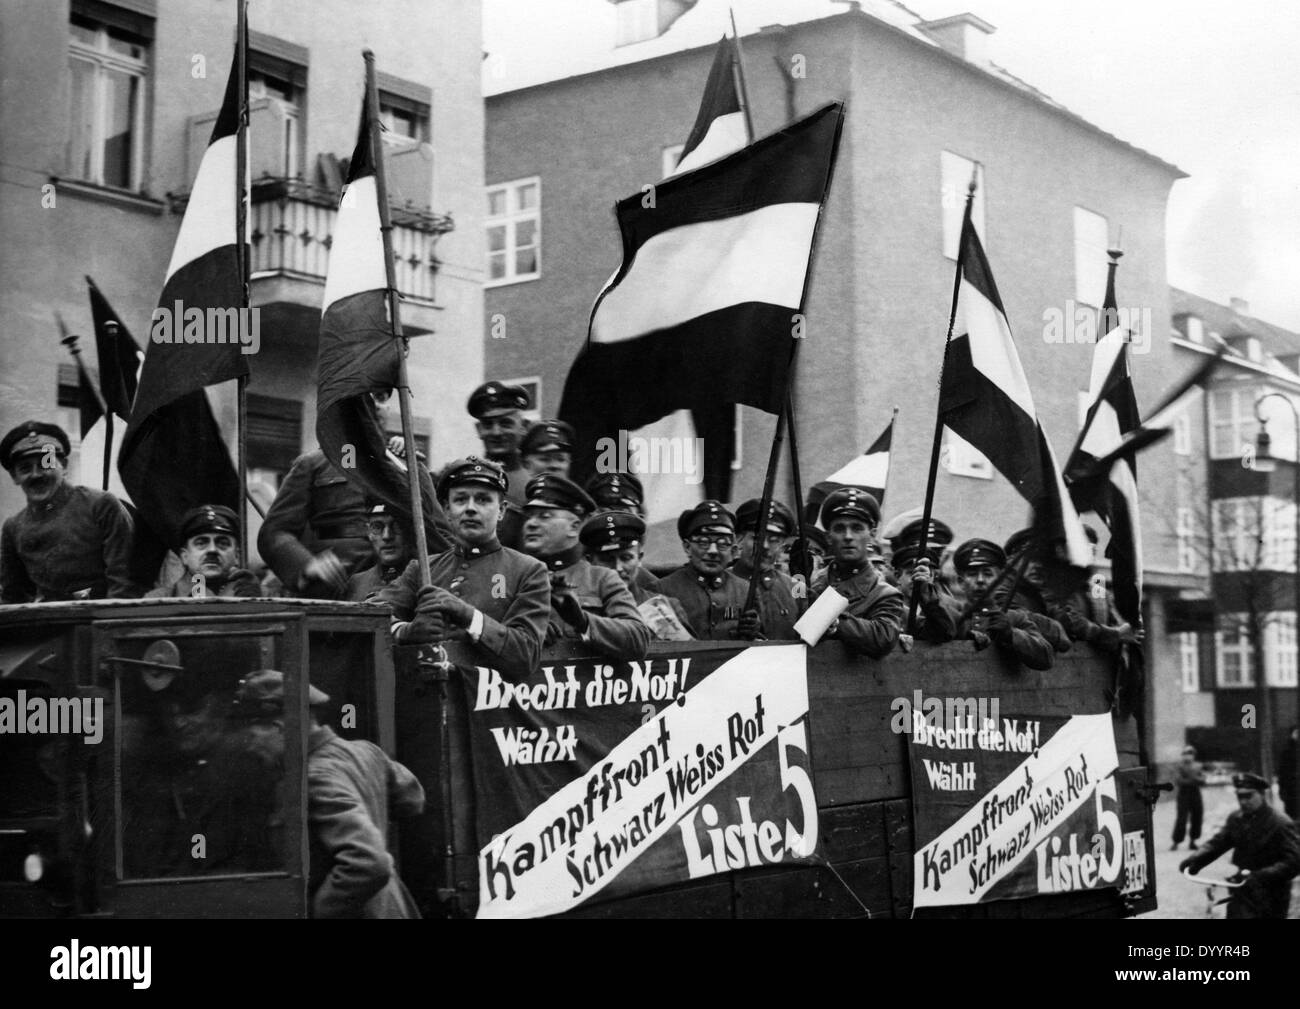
(1183,434)
(955,173)
(1186,532)
(1254,534)
(636,21)
(514,235)
(1232,422)
(1234,656)
(109,68)
(1189,661)
(668,159)
(1091,237)
(1280,650)
(533,386)
(1195,329)
(404,120)
(961,458)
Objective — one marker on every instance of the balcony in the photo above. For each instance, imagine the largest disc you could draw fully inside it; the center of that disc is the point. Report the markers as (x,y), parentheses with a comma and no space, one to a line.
(291,228)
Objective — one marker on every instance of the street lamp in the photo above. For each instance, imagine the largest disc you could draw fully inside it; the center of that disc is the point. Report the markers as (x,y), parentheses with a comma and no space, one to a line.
(1266,462)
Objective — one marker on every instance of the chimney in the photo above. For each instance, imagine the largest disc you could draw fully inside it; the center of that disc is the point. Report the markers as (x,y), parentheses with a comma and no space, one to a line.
(963,35)
(1239,305)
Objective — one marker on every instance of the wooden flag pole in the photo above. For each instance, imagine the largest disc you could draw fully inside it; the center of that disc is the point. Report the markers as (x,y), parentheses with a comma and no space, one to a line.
(110,329)
(69,340)
(800,527)
(938,413)
(241,259)
(394,316)
(738,75)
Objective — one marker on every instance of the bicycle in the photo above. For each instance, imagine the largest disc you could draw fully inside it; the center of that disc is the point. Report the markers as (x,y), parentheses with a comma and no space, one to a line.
(1213,903)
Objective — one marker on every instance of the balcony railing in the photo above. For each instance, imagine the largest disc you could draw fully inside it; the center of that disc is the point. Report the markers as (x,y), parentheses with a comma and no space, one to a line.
(292,227)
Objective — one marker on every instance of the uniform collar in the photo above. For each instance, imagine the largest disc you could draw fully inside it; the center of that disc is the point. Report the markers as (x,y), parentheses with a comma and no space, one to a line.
(508,462)
(564,559)
(712,582)
(490,547)
(388,573)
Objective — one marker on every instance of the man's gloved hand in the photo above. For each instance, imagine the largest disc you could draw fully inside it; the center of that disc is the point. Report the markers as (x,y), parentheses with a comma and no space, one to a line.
(433,599)
(1189,865)
(998,627)
(1128,636)
(325,567)
(423,628)
(750,626)
(567,608)
(980,640)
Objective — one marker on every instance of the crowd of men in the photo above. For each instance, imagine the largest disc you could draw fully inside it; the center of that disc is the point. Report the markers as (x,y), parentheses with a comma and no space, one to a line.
(535,558)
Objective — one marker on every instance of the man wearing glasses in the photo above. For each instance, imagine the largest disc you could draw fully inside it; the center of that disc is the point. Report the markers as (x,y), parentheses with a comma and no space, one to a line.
(393,541)
(712,596)
(777,605)
(1266,851)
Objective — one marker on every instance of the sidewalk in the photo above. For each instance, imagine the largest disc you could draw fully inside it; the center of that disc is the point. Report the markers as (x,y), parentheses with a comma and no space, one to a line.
(1179,897)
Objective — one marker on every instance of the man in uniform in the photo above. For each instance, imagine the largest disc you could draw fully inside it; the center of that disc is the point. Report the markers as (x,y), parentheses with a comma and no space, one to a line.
(489,604)
(814,562)
(873,619)
(916,570)
(393,541)
(588,603)
(497,410)
(712,595)
(614,540)
(617,492)
(1266,851)
(979,564)
(69,542)
(209,549)
(777,606)
(547,448)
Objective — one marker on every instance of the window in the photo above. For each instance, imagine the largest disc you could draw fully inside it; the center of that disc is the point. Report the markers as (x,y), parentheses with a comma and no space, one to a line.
(404,120)
(1195,329)
(1232,422)
(669,158)
(108,60)
(282,109)
(1186,529)
(1189,660)
(637,20)
(1183,434)
(1235,654)
(533,386)
(956,173)
(1279,535)
(1254,534)
(514,231)
(961,458)
(1090,241)
(1280,650)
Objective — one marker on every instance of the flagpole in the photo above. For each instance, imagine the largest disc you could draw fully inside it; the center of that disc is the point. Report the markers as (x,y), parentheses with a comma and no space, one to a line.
(938,412)
(69,340)
(403,382)
(110,330)
(798,487)
(241,259)
(738,75)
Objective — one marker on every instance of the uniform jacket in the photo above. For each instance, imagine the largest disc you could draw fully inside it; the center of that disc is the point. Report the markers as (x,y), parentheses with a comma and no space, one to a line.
(79,540)
(1266,843)
(351,785)
(368,583)
(515,606)
(614,624)
(712,603)
(242,584)
(1046,616)
(1024,640)
(871,623)
(777,607)
(316,509)
(937,614)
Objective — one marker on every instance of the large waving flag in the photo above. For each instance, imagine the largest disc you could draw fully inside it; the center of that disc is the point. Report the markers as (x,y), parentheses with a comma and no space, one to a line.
(985,398)
(173,456)
(704,308)
(1113,496)
(870,471)
(359,353)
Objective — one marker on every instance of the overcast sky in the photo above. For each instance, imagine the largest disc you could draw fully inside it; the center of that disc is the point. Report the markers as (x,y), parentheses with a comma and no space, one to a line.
(1213,87)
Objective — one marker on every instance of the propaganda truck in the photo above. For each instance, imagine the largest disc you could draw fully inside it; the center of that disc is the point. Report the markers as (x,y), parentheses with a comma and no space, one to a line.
(722,780)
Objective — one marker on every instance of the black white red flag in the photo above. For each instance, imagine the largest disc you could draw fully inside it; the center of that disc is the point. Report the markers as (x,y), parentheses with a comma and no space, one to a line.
(720,127)
(704,308)
(985,398)
(173,456)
